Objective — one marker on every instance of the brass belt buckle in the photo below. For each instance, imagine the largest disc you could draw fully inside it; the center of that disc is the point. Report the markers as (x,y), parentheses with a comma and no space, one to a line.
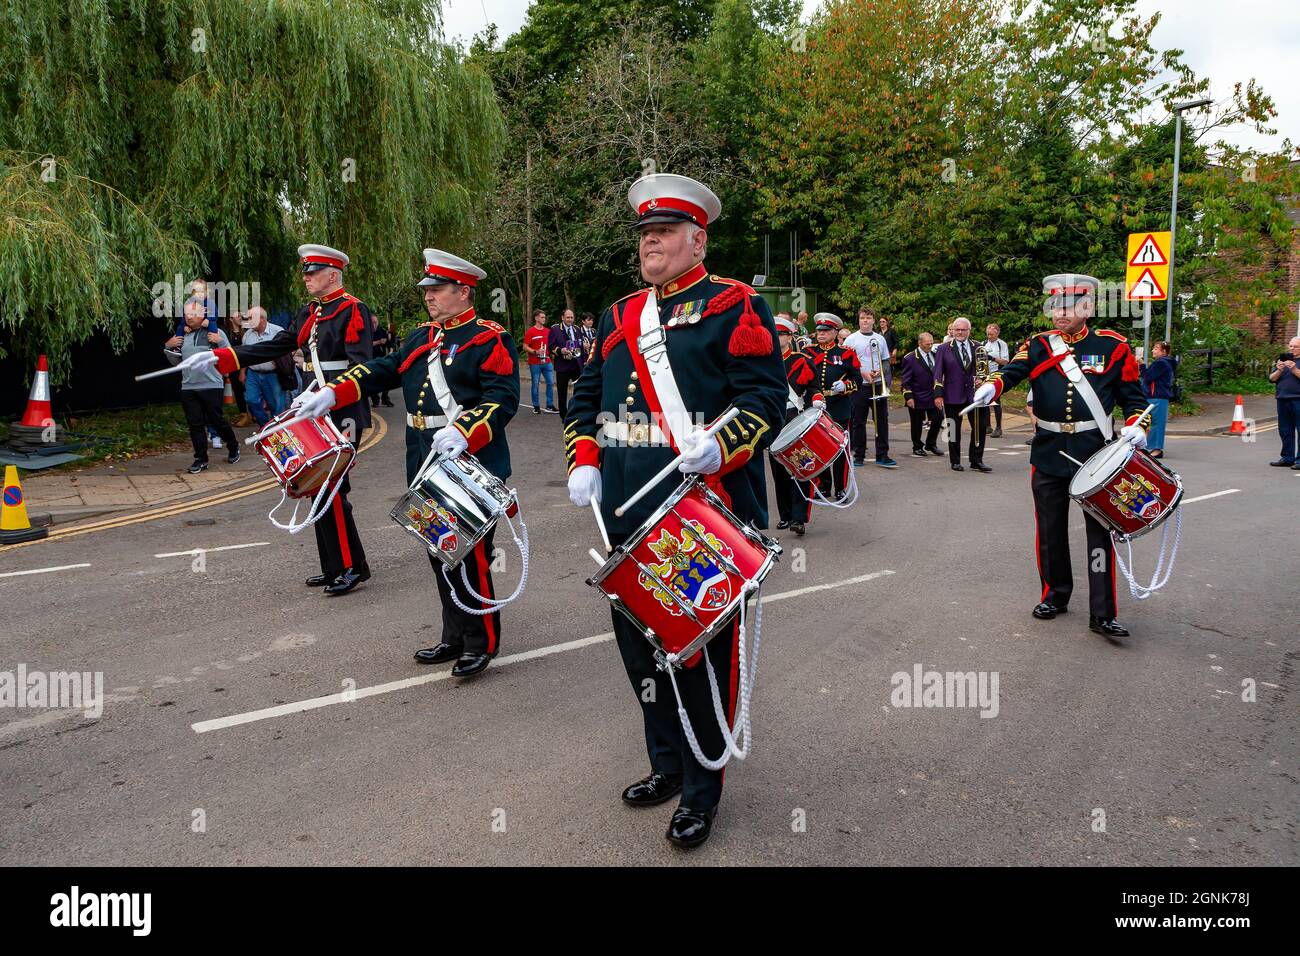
(1067,427)
(417,420)
(638,434)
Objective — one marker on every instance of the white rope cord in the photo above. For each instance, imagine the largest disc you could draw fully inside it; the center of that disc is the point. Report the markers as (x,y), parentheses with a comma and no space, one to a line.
(746,675)
(851,494)
(313,514)
(1138,591)
(493,605)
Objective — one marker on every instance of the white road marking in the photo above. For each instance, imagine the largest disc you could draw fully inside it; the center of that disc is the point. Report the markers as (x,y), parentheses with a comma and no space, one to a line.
(1217,494)
(314,703)
(61,567)
(197,551)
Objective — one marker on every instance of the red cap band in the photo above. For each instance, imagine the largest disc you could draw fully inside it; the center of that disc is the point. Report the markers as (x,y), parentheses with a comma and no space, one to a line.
(681,205)
(442,272)
(323,260)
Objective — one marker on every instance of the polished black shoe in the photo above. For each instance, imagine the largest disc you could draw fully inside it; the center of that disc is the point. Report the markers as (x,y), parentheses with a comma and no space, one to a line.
(981,467)
(797,527)
(783,524)
(346,581)
(320,580)
(689,828)
(1282,463)
(654,789)
(1107,627)
(467,665)
(1045,611)
(439,653)
(958,467)
(918,452)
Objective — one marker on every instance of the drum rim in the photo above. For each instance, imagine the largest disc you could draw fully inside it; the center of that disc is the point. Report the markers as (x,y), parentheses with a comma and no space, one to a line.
(812,413)
(461,476)
(1114,449)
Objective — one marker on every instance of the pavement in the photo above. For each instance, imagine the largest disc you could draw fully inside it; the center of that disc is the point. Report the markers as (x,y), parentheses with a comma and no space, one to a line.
(250,720)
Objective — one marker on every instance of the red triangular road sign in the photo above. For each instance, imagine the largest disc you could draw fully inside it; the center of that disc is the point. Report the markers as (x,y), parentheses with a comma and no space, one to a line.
(1146,287)
(1148,253)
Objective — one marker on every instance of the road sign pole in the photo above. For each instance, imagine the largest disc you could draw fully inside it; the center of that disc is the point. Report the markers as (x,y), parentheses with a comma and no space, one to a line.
(1146,332)
(1173,225)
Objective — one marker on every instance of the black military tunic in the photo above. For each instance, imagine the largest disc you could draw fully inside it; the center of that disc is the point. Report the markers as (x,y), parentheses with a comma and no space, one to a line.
(721,342)
(480,365)
(1108,364)
(792,497)
(831,364)
(340,326)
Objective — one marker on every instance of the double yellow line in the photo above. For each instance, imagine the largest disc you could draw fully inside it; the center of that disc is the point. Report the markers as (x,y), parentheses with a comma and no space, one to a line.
(220,498)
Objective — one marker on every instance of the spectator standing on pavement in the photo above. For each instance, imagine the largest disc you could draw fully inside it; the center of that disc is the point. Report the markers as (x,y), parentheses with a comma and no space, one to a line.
(565,349)
(872,398)
(261,380)
(537,345)
(1286,377)
(201,389)
(891,339)
(1158,387)
(381,338)
(998,356)
(588,336)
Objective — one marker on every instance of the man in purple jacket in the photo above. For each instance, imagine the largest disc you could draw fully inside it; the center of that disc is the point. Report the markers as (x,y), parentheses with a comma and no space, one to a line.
(566,346)
(918,393)
(954,389)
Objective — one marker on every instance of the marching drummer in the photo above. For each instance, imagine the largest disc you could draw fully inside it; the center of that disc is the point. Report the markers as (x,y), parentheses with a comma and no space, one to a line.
(836,376)
(657,377)
(459,378)
(1079,375)
(793,498)
(334,330)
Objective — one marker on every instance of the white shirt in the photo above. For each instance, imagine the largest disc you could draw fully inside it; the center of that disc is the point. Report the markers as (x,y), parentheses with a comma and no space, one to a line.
(860,342)
(253,337)
(997,349)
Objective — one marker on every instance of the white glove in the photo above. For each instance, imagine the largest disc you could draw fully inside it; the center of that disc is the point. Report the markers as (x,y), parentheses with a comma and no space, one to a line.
(984,394)
(700,454)
(449,441)
(1134,435)
(584,485)
(818,403)
(198,361)
(838,387)
(317,403)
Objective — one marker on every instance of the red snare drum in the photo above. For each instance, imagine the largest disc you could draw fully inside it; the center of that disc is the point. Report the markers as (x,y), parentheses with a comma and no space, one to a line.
(686,570)
(1126,490)
(307,454)
(809,443)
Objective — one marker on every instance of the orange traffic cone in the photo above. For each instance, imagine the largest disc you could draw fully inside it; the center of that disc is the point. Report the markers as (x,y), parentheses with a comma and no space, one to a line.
(229,397)
(1238,418)
(39,414)
(14,524)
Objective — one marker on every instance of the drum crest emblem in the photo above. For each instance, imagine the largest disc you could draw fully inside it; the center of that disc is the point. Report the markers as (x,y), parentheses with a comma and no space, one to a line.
(435,525)
(1137,498)
(688,569)
(284,447)
(804,460)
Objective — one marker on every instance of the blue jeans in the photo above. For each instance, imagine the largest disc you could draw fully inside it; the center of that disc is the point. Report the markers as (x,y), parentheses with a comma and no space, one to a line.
(259,387)
(547,371)
(1288,420)
(1159,416)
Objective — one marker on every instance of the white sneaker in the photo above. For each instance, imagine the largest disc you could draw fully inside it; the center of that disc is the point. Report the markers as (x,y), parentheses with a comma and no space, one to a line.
(216,442)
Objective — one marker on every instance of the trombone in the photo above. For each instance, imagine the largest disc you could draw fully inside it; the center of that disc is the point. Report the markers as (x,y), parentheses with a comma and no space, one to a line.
(881,390)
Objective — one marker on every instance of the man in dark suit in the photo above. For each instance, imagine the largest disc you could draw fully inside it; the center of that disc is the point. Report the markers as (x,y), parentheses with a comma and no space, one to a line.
(918,393)
(954,389)
(566,345)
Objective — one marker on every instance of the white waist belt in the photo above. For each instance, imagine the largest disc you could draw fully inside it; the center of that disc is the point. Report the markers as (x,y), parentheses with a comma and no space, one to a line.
(634,433)
(430,421)
(338,365)
(1068,428)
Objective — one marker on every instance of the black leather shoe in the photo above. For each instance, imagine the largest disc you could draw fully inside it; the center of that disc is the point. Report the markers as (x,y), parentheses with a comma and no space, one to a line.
(653,790)
(346,581)
(783,524)
(1107,627)
(689,828)
(439,654)
(797,527)
(467,665)
(1282,463)
(320,580)
(981,467)
(958,467)
(1045,611)
(936,452)
(918,452)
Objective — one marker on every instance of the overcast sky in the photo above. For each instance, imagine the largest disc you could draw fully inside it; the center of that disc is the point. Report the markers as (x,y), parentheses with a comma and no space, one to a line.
(1227,41)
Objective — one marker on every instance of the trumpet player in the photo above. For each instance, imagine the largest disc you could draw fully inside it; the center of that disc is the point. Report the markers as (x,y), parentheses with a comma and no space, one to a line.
(872,400)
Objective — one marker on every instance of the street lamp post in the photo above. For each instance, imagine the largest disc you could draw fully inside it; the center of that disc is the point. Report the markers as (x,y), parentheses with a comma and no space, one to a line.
(1173,208)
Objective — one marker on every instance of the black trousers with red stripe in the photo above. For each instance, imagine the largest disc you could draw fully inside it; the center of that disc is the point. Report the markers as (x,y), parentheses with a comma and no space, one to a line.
(791,496)
(337,541)
(836,478)
(1052,516)
(476,634)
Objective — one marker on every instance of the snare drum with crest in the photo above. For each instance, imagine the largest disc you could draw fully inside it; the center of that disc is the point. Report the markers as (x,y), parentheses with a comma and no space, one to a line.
(809,443)
(689,567)
(1126,489)
(307,454)
(452,504)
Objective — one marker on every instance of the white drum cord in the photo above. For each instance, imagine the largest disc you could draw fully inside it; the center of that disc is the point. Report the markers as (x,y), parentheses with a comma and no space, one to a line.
(317,511)
(747,672)
(819,499)
(492,604)
(1141,592)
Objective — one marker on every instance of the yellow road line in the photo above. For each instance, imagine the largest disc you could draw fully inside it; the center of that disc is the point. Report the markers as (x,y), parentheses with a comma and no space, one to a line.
(219,498)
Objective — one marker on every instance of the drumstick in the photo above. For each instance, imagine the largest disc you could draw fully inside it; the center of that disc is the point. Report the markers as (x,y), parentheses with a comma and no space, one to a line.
(275,427)
(1076,461)
(709,432)
(600,523)
(161,371)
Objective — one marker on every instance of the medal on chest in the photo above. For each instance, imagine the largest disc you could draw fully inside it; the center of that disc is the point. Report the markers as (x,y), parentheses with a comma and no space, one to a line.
(686,313)
(1092,363)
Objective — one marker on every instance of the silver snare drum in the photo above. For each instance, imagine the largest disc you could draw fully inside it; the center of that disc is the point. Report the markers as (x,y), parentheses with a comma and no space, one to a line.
(451,506)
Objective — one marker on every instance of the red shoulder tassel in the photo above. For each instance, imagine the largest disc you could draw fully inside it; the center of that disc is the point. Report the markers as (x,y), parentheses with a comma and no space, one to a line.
(499,362)
(749,337)
(304,333)
(354,326)
(611,341)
